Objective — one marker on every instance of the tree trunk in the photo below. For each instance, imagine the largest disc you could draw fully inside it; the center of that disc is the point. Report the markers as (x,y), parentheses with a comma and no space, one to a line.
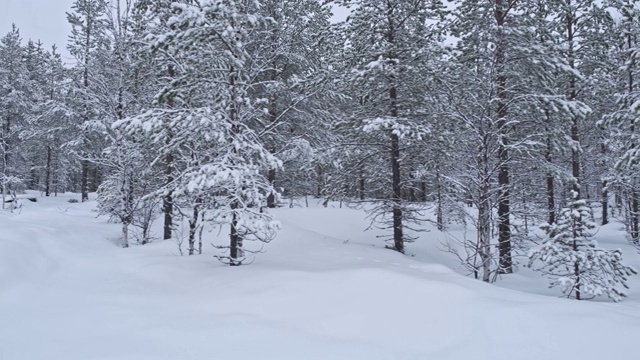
(605,203)
(396,198)
(361,185)
(573,93)
(235,237)
(320,181)
(504,207)
(551,201)
(440,205)
(34,180)
(167,205)
(635,216)
(193,226)
(576,271)
(398,240)
(167,200)
(6,128)
(235,244)
(47,178)
(84,181)
(56,177)
(125,234)
(271,198)
(84,186)
(634,213)
(484,211)
(95,178)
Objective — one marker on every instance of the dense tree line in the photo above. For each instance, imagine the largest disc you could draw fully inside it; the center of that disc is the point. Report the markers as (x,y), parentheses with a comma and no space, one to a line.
(495,114)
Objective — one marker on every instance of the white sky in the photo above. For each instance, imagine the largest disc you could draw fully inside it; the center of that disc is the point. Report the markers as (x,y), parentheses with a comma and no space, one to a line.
(45,20)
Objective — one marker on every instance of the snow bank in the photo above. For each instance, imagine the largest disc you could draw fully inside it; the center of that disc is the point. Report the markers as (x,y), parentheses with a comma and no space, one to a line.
(324,290)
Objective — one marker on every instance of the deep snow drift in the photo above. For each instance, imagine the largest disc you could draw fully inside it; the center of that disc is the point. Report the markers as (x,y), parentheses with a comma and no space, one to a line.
(323,290)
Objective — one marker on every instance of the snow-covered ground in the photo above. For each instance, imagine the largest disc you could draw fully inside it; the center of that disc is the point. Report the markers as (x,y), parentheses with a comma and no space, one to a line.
(323,290)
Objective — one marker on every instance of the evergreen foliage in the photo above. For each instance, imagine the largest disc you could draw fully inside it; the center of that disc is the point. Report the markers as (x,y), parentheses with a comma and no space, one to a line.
(572,259)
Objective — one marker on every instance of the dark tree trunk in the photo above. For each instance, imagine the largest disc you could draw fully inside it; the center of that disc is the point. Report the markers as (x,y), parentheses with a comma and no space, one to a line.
(396,197)
(551,201)
(634,213)
(573,93)
(605,203)
(5,158)
(484,210)
(47,176)
(504,207)
(271,198)
(35,178)
(576,271)
(236,252)
(398,240)
(440,205)
(587,193)
(56,178)
(362,186)
(635,216)
(412,191)
(193,226)
(575,137)
(84,181)
(167,200)
(235,243)
(95,178)
(320,181)
(273,119)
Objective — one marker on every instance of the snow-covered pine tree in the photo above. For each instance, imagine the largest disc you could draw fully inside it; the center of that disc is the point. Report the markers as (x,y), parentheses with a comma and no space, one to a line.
(513,112)
(543,111)
(87,44)
(14,105)
(167,63)
(219,159)
(572,259)
(623,140)
(36,151)
(388,47)
(296,86)
(129,178)
(582,27)
(52,120)
(479,95)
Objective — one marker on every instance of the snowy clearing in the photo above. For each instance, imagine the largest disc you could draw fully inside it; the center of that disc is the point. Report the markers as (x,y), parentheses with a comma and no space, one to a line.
(323,290)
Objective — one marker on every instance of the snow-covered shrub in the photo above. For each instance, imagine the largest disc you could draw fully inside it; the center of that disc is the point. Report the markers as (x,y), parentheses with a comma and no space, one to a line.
(572,259)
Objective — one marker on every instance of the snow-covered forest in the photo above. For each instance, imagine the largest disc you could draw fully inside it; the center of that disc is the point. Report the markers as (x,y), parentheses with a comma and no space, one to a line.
(426,179)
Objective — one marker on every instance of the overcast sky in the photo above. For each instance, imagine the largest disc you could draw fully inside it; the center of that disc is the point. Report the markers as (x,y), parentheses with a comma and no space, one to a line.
(45,20)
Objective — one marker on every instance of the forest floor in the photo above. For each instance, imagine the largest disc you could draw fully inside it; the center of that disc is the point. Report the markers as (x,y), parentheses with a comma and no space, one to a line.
(324,289)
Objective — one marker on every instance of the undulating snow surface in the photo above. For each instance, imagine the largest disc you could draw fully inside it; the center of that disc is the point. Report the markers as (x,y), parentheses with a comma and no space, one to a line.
(323,290)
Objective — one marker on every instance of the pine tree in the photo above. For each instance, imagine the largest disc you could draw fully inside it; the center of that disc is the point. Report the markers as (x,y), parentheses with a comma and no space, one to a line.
(126,158)
(388,43)
(14,104)
(87,44)
(221,163)
(623,140)
(572,259)
(153,23)
(296,86)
